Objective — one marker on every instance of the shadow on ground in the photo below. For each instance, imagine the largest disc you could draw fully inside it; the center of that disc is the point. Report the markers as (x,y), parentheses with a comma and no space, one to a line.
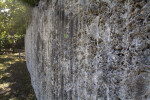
(3,60)
(15,82)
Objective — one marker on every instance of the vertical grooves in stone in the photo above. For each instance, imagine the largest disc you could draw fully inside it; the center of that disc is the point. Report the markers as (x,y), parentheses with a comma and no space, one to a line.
(61,48)
(71,54)
(99,50)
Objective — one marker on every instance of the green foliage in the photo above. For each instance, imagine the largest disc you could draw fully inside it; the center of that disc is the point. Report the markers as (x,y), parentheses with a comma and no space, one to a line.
(31,2)
(14,19)
(66,35)
(4,40)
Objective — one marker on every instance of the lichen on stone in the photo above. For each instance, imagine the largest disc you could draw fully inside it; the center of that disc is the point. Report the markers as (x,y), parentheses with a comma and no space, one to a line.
(90,49)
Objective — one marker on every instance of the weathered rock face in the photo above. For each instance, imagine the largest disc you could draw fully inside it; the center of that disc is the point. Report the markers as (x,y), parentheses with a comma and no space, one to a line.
(90,50)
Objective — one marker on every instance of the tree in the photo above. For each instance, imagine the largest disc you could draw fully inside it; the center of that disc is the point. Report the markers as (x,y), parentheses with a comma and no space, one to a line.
(14,18)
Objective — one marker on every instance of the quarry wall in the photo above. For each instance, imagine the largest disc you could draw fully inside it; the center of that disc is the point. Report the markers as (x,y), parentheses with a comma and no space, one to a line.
(90,50)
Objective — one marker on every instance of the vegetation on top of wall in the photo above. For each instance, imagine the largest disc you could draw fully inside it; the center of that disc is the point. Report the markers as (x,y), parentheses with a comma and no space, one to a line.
(31,2)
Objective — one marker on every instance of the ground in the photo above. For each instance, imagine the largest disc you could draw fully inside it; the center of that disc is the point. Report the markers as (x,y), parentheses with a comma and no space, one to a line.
(15,81)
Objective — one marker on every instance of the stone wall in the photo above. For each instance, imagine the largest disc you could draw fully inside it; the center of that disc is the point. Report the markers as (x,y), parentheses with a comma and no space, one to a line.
(90,50)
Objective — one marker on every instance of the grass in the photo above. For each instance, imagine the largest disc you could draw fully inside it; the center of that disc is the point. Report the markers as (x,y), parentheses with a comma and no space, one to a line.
(14,78)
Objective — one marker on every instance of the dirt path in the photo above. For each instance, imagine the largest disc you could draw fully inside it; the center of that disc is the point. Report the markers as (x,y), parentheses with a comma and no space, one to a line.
(14,78)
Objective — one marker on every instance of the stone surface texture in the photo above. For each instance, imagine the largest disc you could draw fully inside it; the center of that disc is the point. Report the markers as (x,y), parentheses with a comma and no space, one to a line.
(90,50)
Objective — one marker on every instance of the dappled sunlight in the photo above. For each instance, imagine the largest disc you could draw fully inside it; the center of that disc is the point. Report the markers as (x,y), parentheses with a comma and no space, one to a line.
(5,86)
(7,60)
(14,78)
(17,54)
(5,75)
(2,67)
